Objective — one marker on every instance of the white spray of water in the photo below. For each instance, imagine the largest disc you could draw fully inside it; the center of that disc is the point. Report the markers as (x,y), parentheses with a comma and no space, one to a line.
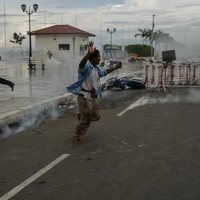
(52,62)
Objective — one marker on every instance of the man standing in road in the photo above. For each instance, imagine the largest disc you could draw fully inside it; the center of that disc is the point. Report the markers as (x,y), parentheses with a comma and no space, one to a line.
(88,89)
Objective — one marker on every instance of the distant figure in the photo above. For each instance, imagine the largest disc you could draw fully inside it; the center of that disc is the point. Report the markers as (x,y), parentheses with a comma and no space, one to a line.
(49,54)
(7,82)
(43,68)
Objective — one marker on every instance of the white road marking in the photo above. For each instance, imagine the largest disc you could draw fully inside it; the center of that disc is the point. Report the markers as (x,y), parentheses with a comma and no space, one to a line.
(133,105)
(25,183)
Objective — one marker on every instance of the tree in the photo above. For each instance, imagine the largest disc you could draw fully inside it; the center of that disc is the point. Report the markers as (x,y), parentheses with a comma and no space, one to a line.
(158,36)
(142,34)
(18,38)
(145,34)
(163,38)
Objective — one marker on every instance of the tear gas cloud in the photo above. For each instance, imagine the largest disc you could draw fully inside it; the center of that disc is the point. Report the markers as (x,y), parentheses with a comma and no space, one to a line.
(32,120)
(192,97)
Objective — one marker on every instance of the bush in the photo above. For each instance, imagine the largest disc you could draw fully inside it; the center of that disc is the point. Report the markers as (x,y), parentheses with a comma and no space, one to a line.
(141,49)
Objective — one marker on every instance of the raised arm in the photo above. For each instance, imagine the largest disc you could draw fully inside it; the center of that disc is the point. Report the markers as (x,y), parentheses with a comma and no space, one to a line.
(86,57)
(118,65)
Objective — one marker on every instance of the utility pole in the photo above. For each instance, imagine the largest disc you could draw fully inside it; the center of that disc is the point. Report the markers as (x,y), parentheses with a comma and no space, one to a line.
(152,37)
(5,39)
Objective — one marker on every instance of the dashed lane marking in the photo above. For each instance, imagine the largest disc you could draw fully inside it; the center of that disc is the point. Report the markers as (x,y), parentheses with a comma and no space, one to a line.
(29,180)
(133,105)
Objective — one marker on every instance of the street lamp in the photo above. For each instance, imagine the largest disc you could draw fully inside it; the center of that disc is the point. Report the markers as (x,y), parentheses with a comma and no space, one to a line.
(111,32)
(29,12)
(152,37)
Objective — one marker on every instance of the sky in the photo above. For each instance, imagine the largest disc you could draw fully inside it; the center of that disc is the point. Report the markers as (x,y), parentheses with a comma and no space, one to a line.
(179,18)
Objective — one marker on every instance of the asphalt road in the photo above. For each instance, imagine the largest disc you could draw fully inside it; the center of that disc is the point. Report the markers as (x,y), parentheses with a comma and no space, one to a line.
(149,152)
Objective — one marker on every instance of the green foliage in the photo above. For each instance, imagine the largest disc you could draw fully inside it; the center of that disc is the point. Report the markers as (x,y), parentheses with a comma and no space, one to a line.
(114,46)
(145,34)
(105,46)
(158,36)
(18,38)
(141,50)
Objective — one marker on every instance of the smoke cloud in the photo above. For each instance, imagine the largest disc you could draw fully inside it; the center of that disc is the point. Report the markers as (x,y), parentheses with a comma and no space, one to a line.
(193,96)
(30,121)
(31,116)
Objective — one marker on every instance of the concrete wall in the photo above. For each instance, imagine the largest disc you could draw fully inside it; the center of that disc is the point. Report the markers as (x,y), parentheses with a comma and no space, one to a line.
(44,43)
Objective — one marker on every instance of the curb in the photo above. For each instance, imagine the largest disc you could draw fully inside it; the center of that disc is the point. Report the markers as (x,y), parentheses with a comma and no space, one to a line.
(23,112)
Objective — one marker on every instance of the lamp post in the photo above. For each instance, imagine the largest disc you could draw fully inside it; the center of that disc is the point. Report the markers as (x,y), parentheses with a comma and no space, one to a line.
(152,37)
(29,12)
(111,32)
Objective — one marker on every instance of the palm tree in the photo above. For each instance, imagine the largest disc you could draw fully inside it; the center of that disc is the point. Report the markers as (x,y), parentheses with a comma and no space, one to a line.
(17,39)
(143,33)
(149,35)
(159,37)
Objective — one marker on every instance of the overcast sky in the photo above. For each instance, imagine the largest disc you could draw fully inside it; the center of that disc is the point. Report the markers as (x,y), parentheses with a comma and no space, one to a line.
(179,18)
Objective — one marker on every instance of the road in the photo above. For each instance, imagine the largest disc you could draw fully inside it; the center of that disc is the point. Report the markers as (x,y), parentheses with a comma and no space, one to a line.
(148,152)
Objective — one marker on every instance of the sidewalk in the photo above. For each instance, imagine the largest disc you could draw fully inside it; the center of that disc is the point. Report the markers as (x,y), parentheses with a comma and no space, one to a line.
(15,109)
(34,91)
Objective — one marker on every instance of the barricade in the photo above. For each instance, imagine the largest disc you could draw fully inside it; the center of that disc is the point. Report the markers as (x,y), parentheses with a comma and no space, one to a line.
(172,74)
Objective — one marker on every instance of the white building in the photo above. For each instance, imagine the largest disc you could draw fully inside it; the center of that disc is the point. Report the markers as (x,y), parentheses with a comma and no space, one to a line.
(60,41)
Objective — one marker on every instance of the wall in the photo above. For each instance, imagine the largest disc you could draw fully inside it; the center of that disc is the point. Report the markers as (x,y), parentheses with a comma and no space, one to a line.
(51,42)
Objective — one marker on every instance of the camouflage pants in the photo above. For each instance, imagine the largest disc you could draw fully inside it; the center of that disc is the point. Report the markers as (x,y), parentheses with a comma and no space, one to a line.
(89,111)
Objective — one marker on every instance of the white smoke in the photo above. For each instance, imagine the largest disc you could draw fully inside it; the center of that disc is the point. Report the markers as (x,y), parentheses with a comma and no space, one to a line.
(34,119)
(192,97)
(36,113)
(52,62)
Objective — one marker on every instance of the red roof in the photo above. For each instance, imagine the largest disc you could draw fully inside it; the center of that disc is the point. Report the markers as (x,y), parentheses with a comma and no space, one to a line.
(61,29)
